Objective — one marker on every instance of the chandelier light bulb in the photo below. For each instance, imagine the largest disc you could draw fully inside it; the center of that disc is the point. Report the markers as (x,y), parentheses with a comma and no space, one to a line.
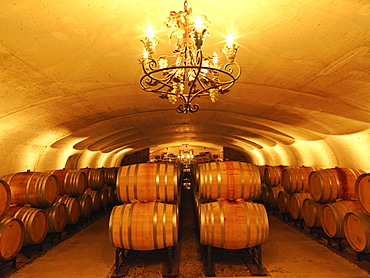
(187,73)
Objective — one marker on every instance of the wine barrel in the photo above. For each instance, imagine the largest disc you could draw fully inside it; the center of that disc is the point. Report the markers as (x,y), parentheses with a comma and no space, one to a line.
(295,179)
(295,204)
(312,212)
(272,175)
(86,204)
(34,188)
(147,182)
(144,226)
(233,224)
(110,175)
(230,180)
(283,201)
(357,230)
(35,223)
(273,195)
(328,185)
(362,192)
(96,199)
(4,197)
(71,182)
(332,217)
(73,208)
(11,237)
(104,197)
(95,177)
(112,198)
(57,216)
(265,194)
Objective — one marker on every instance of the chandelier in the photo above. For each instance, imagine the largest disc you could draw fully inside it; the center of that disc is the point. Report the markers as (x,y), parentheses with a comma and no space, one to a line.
(188,73)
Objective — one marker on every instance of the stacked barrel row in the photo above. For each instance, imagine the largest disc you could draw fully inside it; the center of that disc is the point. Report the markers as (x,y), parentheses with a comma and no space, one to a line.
(336,200)
(148,219)
(228,218)
(40,203)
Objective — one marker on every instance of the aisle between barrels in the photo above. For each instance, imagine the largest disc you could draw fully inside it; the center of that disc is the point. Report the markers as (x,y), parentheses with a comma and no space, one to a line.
(87,254)
(290,253)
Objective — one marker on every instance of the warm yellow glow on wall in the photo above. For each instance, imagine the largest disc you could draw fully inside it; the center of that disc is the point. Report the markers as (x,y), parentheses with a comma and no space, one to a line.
(314,153)
(352,150)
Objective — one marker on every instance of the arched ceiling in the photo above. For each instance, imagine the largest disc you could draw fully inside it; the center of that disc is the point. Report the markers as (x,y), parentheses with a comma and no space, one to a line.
(69,82)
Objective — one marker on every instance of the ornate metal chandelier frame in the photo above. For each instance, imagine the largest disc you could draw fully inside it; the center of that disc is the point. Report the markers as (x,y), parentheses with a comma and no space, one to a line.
(190,74)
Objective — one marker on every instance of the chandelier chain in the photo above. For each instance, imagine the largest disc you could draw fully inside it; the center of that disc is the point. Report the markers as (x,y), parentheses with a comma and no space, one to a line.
(185,5)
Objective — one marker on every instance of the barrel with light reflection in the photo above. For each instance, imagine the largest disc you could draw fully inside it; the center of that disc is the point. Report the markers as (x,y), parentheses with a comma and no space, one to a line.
(230,180)
(35,188)
(148,182)
(328,185)
(144,226)
(233,224)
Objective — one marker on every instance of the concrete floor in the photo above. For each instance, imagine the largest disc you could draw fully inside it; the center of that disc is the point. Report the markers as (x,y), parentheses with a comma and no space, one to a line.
(288,253)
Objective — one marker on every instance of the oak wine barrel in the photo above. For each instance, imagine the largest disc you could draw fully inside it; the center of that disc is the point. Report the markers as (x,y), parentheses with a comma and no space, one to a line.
(272,175)
(73,208)
(35,223)
(328,185)
(95,177)
(110,175)
(144,226)
(362,192)
(35,188)
(4,197)
(295,204)
(71,182)
(312,212)
(283,201)
(103,192)
(332,217)
(96,199)
(230,180)
(233,224)
(147,182)
(57,216)
(11,237)
(273,195)
(295,179)
(265,194)
(357,230)
(86,204)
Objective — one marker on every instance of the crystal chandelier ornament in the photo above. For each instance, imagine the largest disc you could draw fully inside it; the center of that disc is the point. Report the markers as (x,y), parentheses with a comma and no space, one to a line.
(188,73)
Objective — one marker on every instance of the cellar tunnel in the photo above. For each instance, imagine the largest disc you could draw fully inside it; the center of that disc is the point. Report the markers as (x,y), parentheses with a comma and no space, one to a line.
(71,97)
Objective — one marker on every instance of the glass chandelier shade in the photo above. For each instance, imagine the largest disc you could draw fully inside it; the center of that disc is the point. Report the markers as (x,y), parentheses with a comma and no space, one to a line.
(188,73)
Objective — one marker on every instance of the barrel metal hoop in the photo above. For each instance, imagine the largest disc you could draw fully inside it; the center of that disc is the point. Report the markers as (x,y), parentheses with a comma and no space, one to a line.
(164,220)
(242,178)
(258,224)
(338,190)
(248,220)
(210,182)
(118,185)
(135,180)
(175,181)
(166,182)
(222,221)
(28,188)
(110,234)
(323,187)
(127,183)
(218,179)
(129,228)
(175,232)
(157,180)
(212,224)
(155,221)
